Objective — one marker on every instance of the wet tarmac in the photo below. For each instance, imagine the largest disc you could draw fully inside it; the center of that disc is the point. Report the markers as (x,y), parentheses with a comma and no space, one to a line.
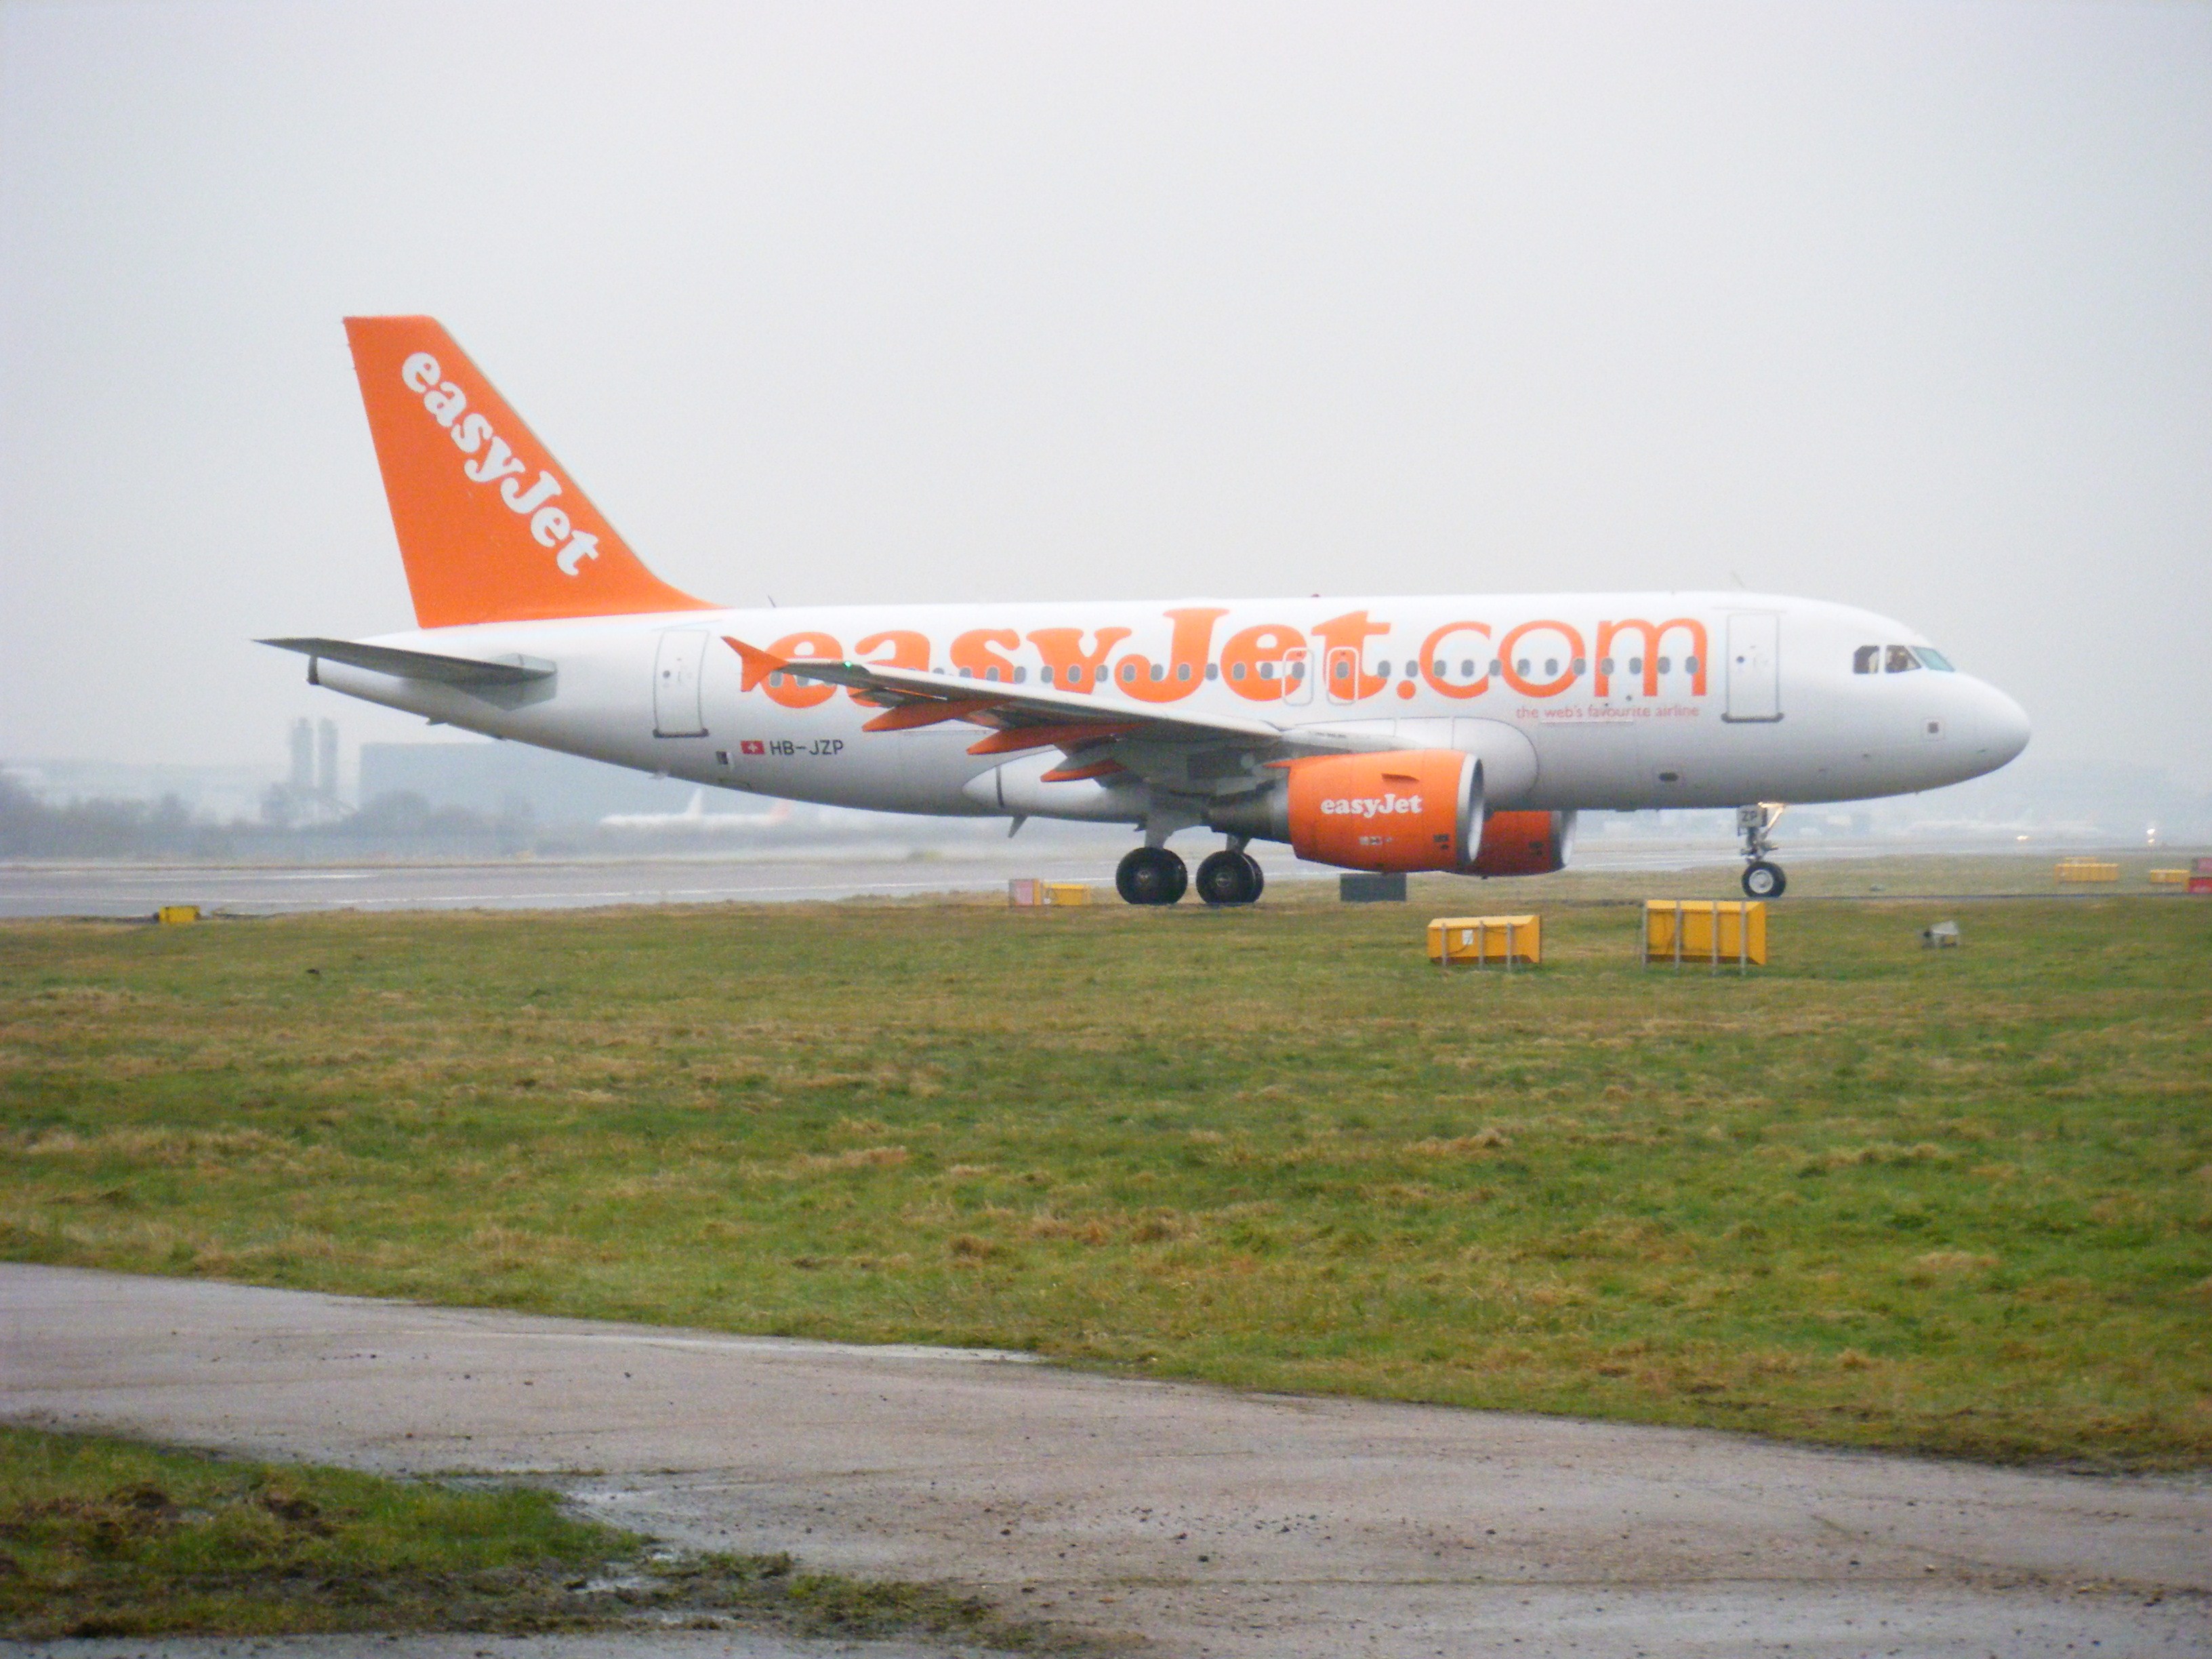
(1196,1521)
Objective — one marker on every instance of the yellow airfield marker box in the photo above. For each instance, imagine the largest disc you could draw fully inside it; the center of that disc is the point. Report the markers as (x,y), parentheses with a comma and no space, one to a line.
(1710,930)
(2087,870)
(1476,941)
(175,915)
(2169,877)
(1024,890)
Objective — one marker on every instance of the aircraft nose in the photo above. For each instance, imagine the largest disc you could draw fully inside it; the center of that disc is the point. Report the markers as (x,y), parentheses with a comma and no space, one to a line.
(2004,728)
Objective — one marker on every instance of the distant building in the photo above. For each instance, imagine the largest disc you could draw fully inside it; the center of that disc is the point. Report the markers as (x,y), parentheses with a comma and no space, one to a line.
(303,780)
(495,778)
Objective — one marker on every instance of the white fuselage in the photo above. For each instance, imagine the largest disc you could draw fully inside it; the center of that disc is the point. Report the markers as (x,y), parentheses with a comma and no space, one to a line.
(1579,700)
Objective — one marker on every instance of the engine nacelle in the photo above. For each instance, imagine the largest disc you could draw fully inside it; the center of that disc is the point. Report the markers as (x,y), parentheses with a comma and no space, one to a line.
(1408,809)
(1525,844)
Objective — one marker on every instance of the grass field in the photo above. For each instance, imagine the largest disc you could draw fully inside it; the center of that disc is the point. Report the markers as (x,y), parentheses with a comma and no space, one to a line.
(1960,1202)
(101,1537)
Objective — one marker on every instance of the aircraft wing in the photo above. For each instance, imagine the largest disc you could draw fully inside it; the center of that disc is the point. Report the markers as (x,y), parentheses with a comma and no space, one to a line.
(1099,738)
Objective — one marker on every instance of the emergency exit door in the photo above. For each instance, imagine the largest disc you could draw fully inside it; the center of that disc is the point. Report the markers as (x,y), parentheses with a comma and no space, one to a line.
(1754,666)
(676,673)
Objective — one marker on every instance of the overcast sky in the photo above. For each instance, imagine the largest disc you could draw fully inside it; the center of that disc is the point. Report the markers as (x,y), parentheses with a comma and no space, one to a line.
(1905,304)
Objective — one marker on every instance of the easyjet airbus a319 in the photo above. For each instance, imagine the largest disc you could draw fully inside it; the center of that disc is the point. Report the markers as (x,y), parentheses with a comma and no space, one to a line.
(1457,733)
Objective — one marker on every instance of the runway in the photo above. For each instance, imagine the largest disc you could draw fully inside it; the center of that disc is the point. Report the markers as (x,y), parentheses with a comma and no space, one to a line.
(127,890)
(1196,1520)
(762,875)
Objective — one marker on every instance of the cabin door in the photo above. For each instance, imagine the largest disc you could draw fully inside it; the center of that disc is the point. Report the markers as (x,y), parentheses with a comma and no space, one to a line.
(676,674)
(1754,666)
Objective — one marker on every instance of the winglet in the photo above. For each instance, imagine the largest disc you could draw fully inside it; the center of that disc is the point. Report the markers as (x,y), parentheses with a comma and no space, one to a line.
(758,665)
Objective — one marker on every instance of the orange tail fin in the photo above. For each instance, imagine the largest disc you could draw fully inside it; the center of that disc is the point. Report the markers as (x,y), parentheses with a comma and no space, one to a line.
(491,527)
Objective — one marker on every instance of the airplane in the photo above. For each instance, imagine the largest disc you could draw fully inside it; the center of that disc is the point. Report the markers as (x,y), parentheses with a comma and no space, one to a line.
(1460,733)
(696,820)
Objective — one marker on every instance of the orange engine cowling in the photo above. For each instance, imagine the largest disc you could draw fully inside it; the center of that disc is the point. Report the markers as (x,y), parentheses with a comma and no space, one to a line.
(1410,809)
(1524,844)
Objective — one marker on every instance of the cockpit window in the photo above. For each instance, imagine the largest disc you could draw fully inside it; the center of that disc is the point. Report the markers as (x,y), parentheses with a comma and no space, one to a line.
(1931,658)
(1901,660)
(1867,659)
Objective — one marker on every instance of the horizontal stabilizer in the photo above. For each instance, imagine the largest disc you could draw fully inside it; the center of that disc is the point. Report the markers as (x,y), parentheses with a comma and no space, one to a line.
(421,665)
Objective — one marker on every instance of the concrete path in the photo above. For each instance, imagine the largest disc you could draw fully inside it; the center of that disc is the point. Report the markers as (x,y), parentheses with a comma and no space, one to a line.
(1208,1521)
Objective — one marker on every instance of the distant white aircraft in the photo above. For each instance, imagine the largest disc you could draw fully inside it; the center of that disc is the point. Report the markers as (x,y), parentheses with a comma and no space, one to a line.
(696,820)
(1377,732)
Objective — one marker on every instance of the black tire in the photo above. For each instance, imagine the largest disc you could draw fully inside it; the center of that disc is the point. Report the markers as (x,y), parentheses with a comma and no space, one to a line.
(1762,880)
(1259,878)
(1151,875)
(1227,878)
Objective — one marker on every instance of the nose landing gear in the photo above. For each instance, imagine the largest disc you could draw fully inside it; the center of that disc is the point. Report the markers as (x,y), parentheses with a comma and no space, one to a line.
(1152,875)
(1762,879)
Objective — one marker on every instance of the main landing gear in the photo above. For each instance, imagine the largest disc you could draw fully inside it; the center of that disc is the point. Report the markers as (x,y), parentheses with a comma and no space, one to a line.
(1232,876)
(1762,879)
(1152,875)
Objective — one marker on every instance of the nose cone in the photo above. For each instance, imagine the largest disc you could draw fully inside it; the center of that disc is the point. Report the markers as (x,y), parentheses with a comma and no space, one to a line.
(2000,726)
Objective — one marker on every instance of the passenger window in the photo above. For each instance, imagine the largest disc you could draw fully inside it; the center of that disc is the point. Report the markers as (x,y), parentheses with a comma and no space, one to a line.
(1237,670)
(1381,670)
(1551,668)
(1182,670)
(1865,658)
(1044,674)
(992,673)
(1635,665)
(1467,670)
(1021,674)
(1605,665)
(1266,670)
(1298,669)
(1900,660)
(1213,671)
(1666,664)
(1098,675)
(1689,664)
(1522,668)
